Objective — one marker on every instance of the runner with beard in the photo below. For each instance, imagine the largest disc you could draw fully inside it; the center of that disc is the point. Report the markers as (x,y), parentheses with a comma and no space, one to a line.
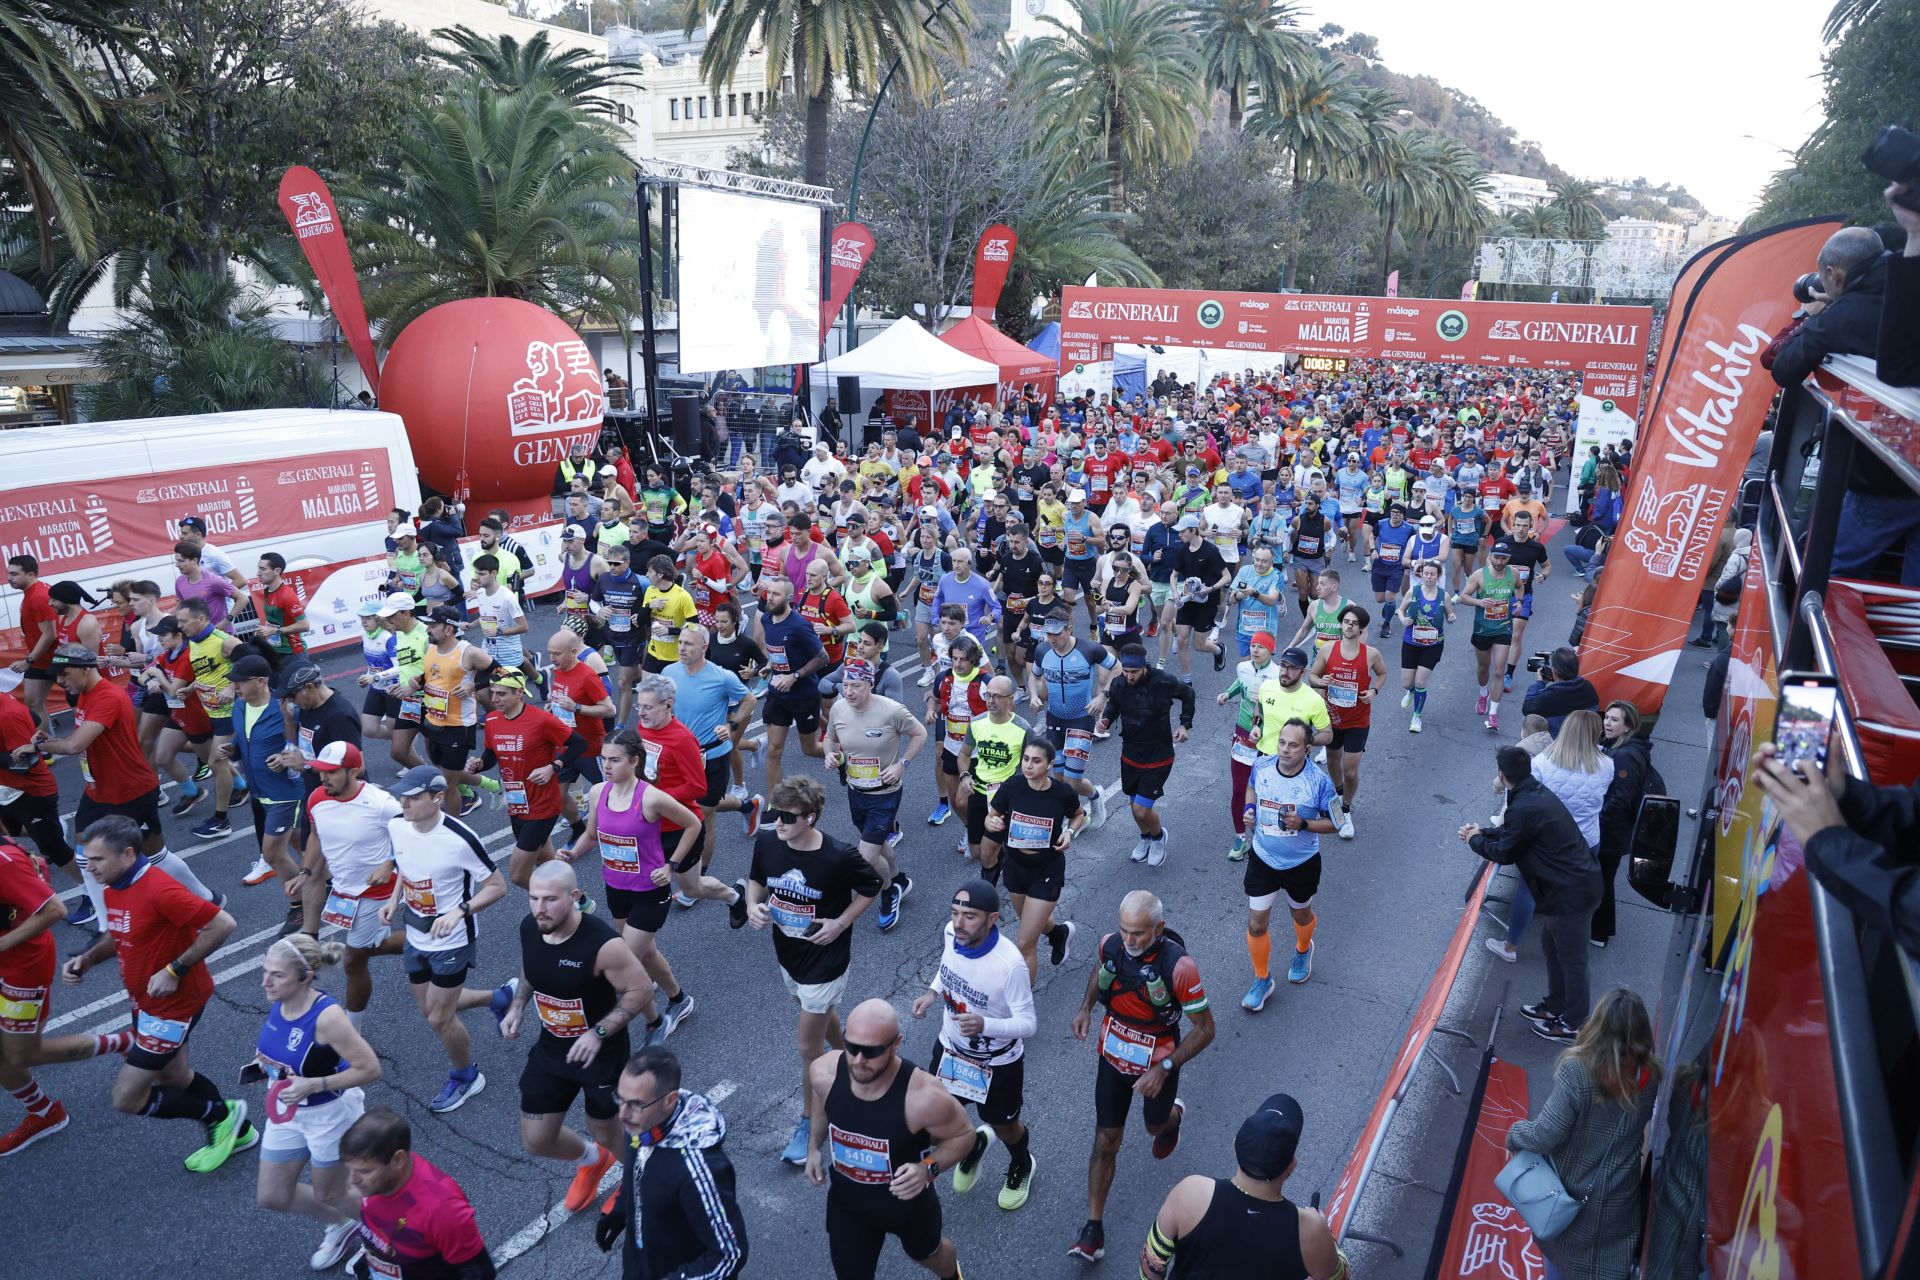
(1017,572)
(1033,819)
(1492,592)
(1531,566)
(865,732)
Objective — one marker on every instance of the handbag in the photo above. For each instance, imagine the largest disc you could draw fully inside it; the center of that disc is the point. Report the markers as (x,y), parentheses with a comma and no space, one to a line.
(1531,1185)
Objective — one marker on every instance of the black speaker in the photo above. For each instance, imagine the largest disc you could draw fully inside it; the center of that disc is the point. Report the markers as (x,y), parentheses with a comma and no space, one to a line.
(686,425)
(847,394)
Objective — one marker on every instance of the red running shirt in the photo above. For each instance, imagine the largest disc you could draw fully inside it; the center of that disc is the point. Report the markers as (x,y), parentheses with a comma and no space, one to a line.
(583,684)
(674,763)
(115,768)
(1346,679)
(16,731)
(23,892)
(152,921)
(421,1231)
(35,608)
(527,742)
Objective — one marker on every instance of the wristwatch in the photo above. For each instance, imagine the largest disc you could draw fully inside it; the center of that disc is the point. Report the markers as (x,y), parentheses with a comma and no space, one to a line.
(600,1031)
(1165,1064)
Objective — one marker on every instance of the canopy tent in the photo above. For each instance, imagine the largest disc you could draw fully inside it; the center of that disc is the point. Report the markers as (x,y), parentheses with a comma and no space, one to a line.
(905,357)
(1047,341)
(1018,365)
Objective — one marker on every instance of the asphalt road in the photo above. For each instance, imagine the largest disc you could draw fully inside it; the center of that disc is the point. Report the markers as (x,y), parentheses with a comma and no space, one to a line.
(110,1197)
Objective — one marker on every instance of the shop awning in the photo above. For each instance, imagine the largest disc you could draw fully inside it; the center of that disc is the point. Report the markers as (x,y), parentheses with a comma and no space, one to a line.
(47,362)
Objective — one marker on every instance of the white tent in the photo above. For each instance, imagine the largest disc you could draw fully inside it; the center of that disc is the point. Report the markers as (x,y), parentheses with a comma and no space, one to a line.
(906,357)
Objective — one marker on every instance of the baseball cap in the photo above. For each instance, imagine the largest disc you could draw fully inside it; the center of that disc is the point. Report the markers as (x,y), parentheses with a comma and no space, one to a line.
(1501,548)
(929,513)
(1268,1138)
(422,777)
(74,655)
(398,602)
(251,667)
(573,531)
(338,755)
(299,675)
(404,531)
(978,895)
(1186,522)
(858,669)
(371,608)
(1076,495)
(1295,656)
(1264,639)
(446,615)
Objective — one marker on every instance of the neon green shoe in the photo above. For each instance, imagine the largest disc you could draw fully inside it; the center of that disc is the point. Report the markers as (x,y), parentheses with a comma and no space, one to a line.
(228,1136)
(1019,1185)
(967,1172)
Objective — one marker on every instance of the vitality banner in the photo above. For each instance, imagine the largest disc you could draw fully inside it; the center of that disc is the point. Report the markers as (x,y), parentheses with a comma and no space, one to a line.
(315,219)
(1711,400)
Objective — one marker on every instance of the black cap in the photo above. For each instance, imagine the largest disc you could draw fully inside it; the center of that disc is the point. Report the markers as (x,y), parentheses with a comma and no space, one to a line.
(1295,656)
(978,895)
(74,655)
(1501,548)
(66,592)
(301,674)
(445,613)
(1268,1138)
(251,667)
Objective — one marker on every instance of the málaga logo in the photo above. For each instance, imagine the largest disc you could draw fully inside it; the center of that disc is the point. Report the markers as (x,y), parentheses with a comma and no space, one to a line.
(1451,326)
(1211,314)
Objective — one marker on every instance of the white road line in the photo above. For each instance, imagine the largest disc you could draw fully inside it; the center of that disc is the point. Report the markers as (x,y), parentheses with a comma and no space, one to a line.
(537,1230)
(250,965)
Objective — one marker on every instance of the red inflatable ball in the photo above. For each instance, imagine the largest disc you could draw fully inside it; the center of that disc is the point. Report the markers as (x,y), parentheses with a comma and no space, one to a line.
(494,392)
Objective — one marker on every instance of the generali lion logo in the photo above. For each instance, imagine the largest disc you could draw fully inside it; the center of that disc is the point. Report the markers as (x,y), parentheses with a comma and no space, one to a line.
(848,253)
(560,389)
(1499,1244)
(1080,310)
(312,215)
(1505,331)
(996,250)
(1668,530)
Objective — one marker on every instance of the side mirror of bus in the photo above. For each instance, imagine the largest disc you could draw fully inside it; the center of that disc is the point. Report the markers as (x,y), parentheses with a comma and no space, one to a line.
(1656,836)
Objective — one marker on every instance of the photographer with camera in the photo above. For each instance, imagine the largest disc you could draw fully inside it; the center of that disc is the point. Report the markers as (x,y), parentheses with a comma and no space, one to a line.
(1567,692)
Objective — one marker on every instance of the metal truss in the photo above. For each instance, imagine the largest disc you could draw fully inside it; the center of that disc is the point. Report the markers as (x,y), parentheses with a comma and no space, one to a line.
(654,169)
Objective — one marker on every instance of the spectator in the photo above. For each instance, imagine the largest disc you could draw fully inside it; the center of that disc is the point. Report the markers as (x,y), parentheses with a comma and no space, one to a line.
(1540,838)
(1574,769)
(1569,691)
(1633,776)
(1703,610)
(1860,840)
(1592,1127)
(1727,587)
(1899,348)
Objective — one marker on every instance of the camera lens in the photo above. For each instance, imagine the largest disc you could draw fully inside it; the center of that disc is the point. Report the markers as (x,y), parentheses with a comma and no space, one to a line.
(1804,286)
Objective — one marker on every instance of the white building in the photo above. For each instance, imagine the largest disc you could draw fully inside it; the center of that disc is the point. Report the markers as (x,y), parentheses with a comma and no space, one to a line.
(1657,238)
(686,120)
(1509,193)
(1710,230)
(1024,23)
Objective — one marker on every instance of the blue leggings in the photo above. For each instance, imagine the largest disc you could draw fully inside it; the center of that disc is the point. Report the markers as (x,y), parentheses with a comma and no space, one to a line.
(1519,910)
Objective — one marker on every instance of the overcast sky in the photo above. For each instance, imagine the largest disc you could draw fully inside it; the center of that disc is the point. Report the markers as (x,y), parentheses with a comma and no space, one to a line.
(1668,90)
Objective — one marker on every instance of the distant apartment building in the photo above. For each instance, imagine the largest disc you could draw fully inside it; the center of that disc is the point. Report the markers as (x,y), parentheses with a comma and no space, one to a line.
(686,120)
(1510,193)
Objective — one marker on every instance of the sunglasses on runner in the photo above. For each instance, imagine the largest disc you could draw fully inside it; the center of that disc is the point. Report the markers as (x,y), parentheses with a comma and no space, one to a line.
(871,1051)
(785,815)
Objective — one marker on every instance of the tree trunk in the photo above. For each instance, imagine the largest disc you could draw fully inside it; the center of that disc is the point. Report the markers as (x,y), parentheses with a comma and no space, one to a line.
(1420,257)
(1116,168)
(1386,247)
(1233,106)
(813,164)
(1299,197)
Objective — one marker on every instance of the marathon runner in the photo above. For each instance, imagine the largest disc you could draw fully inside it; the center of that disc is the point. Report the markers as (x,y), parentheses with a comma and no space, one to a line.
(1349,672)
(1531,566)
(810,887)
(531,747)
(1146,980)
(36,630)
(1392,540)
(667,607)
(29,908)
(316,1060)
(450,707)
(882,1130)
(716,706)
(864,736)
(34,807)
(1248,679)
(1492,591)
(675,763)
(1018,569)
(1140,702)
(1244,1227)
(994,742)
(1033,820)
(955,701)
(210,651)
(1289,802)
(1200,573)
(1069,684)
(577,695)
(1425,612)
(676,1178)
(161,933)
(1083,536)
(415,1221)
(446,878)
(794,660)
(352,844)
(986,994)
(260,743)
(585,986)
(497,610)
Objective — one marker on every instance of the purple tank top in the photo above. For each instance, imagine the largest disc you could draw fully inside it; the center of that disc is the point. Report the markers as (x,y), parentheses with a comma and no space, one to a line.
(580,579)
(629,844)
(797,567)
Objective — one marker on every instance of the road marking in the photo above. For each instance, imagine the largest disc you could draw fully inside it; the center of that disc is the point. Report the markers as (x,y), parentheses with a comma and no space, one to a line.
(544,1225)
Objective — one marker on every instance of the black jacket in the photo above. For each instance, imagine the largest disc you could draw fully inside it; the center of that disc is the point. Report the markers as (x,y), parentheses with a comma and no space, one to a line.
(1631,761)
(1869,864)
(1141,711)
(1847,326)
(1540,839)
(690,1226)
(443,535)
(1559,700)
(1899,348)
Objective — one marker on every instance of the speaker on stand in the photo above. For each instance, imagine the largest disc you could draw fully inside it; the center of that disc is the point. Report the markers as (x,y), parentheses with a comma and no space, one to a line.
(686,425)
(847,396)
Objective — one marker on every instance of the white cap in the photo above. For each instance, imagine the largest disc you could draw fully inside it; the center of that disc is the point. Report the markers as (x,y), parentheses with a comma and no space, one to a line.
(1076,495)
(1186,522)
(396,602)
(573,531)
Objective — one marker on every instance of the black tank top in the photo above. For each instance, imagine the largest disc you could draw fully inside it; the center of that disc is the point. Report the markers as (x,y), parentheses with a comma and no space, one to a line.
(867,1141)
(568,997)
(1241,1238)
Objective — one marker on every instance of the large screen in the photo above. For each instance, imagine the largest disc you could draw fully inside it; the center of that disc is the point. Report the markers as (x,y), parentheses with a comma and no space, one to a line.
(749,281)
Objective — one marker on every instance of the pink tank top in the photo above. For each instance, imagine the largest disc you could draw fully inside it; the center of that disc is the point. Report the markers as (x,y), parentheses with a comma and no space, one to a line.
(797,566)
(629,844)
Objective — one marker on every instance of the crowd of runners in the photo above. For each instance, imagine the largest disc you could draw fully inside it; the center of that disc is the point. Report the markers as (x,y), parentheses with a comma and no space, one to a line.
(1009,604)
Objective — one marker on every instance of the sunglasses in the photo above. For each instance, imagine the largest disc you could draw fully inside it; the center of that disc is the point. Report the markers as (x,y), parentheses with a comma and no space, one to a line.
(787,816)
(869,1051)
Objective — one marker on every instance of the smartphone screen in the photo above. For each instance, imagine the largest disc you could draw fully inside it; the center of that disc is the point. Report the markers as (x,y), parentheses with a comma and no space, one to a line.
(1805,723)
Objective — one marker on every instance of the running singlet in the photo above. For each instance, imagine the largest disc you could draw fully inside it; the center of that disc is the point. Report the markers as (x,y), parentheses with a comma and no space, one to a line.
(448,699)
(1427,623)
(629,844)
(868,1140)
(1346,678)
(1079,530)
(1495,618)
(210,668)
(568,997)
(1069,678)
(1326,621)
(578,581)
(1308,793)
(290,1047)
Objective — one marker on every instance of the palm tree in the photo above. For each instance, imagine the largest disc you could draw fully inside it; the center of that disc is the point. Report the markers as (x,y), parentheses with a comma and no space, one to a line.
(44,103)
(1128,82)
(1312,111)
(502,196)
(507,65)
(1403,183)
(827,41)
(1579,211)
(1541,222)
(1458,212)
(1244,43)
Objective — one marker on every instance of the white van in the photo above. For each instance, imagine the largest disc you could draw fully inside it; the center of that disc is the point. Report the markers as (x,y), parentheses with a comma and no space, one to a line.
(98,502)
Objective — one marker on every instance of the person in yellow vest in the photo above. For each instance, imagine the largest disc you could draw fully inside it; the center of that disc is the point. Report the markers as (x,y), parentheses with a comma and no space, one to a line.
(450,708)
(211,652)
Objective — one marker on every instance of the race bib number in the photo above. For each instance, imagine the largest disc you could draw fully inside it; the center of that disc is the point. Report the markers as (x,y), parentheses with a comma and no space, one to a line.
(1016,604)
(926,593)
(777,660)
(576,600)
(1078,750)
(965,1079)
(1128,1048)
(863,772)
(565,715)
(1495,610)
(566,1019)
(1307,546)
(1422,634)
(516,797)
(653,759)
(434,703)
(21,1008)
(384,1269)
(1343,693)
(410,709)
(619,854)
(795,919)
(1390,552)
(489,627)
(154,1034)
(858,1158)
(1245,749)
(419,897)
(1029,831)
(341,911)
(1273,816)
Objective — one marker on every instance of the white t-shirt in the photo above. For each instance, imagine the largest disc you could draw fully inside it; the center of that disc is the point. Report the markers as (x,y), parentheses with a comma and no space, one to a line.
(996,987)
(497,613)
(213,560)
(822,473)
(439,871)
(353,834)
(1223,528)
(800,495)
